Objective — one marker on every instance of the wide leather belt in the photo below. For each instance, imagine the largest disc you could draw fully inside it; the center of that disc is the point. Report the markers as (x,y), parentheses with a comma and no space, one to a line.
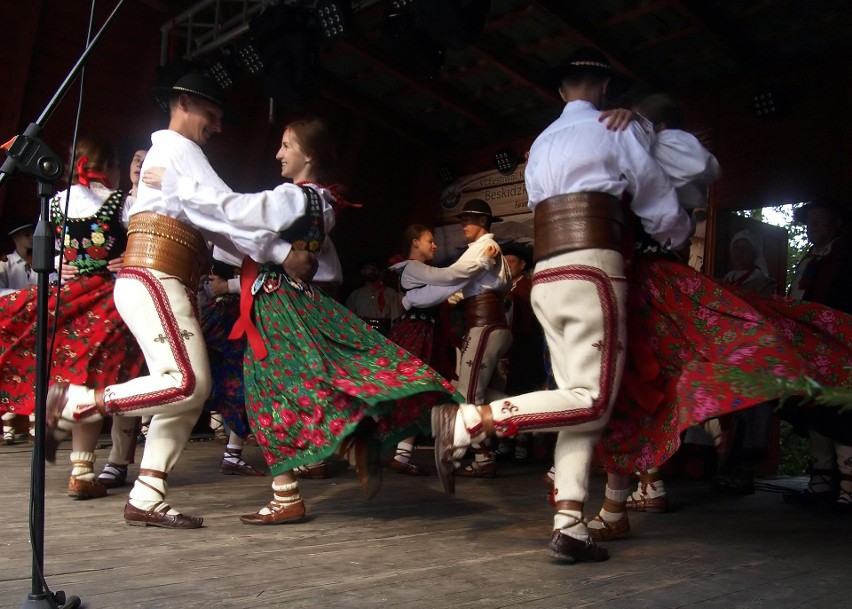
(484,310)
(577,221)
(157,242)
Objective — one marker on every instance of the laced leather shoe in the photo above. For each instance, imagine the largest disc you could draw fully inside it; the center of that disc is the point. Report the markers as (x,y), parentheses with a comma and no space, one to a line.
(567,549)
(154,518)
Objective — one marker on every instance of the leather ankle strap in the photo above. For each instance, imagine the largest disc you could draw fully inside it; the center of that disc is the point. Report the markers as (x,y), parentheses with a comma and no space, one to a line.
(153,473)
(487,419)
(569,505)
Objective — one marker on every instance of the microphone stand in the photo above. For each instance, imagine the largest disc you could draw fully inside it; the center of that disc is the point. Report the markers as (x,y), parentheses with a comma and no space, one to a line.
(30,155)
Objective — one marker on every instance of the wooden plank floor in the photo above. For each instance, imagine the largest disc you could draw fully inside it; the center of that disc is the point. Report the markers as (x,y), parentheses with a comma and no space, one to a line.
(414,547)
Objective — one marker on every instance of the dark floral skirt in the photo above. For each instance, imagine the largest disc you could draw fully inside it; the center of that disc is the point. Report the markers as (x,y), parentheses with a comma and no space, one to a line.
(226,362)
(326,372)
(92,345)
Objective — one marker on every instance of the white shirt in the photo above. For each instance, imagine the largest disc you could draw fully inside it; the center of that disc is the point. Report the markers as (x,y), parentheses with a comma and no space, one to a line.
(193,193)
(15,274)
(690,166)
(473,273)
(576,153)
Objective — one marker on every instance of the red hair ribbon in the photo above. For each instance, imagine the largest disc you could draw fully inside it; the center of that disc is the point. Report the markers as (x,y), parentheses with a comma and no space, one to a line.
(85,176)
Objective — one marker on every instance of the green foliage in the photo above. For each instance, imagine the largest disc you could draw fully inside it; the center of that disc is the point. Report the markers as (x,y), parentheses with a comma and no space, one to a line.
(797,235)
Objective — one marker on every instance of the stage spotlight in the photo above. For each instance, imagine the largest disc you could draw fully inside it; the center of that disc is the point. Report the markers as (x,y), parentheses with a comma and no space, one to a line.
(225,68)
(766,103)
(446,174)
(506,161)
(331,19)
(250,57)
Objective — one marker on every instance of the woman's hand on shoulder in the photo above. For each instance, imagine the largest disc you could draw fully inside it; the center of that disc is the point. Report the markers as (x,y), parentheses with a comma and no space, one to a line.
(617,119)
(153,177)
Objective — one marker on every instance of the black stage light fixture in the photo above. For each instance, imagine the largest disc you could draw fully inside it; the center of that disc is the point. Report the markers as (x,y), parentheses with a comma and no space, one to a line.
(225,68)
(249,56)
(333,18)
(446,174)
(506,161)
(767,103)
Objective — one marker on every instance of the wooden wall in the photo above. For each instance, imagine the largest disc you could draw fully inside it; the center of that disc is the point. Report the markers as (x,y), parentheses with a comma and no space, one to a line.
(802,153)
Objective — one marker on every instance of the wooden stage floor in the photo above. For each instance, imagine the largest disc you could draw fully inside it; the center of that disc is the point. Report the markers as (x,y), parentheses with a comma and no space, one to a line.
(414,547)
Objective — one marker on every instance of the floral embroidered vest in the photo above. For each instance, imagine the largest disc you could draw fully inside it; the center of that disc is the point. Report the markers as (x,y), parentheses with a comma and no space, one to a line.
(90,243)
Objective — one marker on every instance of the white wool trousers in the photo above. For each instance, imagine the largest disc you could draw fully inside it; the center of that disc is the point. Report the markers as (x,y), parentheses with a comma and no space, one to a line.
(580,299)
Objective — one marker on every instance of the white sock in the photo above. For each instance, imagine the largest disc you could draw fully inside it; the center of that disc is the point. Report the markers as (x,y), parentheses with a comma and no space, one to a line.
(233,454)
(403,452)
(570,522)
(146,498)
(619,497)
(83,472)
(77,395)
(649,490)
(283,493)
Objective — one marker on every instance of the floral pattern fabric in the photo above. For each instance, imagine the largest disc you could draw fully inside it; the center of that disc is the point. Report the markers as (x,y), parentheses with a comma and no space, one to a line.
(90,243)
(92,346)
(326,375)
(698,349)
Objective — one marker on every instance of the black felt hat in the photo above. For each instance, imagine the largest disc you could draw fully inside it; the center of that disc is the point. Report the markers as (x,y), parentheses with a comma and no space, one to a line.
(16,225)
(195,84)
(842,209)
(520,250)
(478,207)
(585,60)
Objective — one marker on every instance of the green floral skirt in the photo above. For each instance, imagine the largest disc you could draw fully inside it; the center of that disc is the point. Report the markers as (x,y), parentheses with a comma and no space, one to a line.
(326,372)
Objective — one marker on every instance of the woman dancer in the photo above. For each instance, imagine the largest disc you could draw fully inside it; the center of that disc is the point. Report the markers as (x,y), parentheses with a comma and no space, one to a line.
(91,343)
(319,380)
(418,331)
(227,398)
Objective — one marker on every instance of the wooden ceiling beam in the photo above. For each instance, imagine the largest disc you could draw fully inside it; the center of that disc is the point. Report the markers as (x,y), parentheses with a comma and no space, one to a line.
(588,34)
(514,72)
(367,51)
(665,38)
(365,107)
(711,32)
(636,12)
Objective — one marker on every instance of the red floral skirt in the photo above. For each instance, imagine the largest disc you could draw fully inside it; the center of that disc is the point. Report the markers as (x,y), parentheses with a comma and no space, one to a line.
(698,349)
(92,345)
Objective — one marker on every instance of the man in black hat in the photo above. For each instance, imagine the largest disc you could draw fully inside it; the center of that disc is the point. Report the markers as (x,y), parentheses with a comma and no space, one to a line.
(16,270)
(487,339)
(167,255)
(823,276)
(577,175)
